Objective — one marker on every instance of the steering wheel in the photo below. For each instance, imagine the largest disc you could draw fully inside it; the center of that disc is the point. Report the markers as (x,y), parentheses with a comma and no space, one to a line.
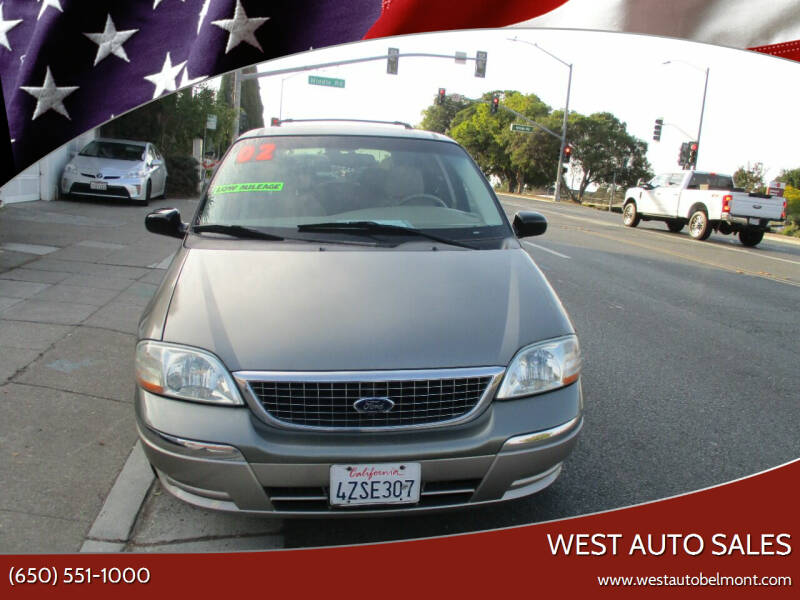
(430,198)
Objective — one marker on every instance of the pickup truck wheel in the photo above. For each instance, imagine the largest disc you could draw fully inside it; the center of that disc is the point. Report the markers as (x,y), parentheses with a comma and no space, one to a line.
(674,225)
(751,237)
(699,227)
(630,216)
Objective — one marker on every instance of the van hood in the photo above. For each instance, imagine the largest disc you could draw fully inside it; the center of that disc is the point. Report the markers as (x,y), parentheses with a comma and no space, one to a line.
(342,310)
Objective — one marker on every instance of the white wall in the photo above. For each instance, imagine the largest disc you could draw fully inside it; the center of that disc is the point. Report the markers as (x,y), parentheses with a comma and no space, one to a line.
(40,180)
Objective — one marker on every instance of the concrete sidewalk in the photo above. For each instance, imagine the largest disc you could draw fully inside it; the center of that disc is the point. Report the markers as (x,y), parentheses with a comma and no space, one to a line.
(74,278)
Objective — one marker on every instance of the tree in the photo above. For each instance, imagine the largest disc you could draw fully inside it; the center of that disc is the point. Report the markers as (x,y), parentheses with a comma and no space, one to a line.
(252,109)
(172,122)
(535,155)
(604,151)
(500,152)
(751,178)
(480,132)
(790,177)
(438,117)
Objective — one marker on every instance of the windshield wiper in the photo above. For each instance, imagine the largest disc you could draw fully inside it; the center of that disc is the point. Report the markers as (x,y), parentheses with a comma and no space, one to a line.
(237,231)
(240,231)
(375,227)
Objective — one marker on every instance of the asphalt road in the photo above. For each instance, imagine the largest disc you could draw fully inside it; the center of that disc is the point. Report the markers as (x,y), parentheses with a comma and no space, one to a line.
(690,380)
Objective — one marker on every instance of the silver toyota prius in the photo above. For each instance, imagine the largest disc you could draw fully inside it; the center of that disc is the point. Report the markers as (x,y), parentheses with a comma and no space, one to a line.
(120,169)
(350,326)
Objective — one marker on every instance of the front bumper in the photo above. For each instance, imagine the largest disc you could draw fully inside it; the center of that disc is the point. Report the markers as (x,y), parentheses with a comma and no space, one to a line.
(127,188)
(227,459)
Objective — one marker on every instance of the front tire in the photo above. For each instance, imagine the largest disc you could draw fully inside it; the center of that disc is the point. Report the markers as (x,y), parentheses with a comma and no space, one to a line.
(675,225)
(751,237)
(630,216)
(699,226)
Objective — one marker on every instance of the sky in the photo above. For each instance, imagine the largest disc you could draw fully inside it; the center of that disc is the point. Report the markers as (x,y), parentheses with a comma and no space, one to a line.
(751,105)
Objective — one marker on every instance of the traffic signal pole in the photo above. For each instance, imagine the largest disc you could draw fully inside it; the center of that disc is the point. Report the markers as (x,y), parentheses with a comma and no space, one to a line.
(702,112)
(563,134)
(566,113)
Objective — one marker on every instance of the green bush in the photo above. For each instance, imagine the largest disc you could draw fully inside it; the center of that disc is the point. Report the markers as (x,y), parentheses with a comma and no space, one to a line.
(182,177)
(792,196)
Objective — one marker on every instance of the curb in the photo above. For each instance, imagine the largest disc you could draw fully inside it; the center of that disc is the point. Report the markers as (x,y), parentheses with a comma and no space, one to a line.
(783,239)
(523,197)
(112,528)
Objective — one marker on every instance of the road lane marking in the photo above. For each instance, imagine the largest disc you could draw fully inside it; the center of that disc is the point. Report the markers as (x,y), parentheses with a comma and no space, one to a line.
(721,244)
(545,249)
(708,263)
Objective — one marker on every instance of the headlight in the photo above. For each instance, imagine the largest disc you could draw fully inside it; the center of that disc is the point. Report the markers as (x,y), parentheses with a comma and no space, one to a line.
(140,171)
(184,373)
(70,168)
(542,367)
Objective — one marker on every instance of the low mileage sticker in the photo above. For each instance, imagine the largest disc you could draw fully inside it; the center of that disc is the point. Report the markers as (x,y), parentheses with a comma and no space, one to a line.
(258,186)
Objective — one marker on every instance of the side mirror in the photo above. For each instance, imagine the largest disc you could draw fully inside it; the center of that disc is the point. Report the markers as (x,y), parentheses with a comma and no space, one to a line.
(166,221)
(527,224)
(157,162)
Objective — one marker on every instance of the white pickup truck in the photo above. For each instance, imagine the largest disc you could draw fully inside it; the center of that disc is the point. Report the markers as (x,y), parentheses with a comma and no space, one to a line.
(704,201)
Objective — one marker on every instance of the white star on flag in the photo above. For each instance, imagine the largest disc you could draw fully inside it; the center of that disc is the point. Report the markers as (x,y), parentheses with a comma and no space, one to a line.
(240,28)
(5,27)
(49,96)
(203,13)
(53,3)
(187,81)
(157,2)
(110,41)
(165,79)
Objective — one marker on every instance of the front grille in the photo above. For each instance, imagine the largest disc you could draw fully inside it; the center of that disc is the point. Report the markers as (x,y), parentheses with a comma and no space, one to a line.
(112,190)
(315,499)
(102,177)
(330,404)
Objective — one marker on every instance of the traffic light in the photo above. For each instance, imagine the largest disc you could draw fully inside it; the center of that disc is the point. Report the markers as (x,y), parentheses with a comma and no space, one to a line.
(480,63)
(392,61)
(275,122)
(683,157)
(495,103)
(657,129)
(567,152)
(440,96)
(693,146)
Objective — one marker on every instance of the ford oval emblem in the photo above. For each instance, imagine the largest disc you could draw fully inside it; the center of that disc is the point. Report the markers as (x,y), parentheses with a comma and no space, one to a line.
(373,405)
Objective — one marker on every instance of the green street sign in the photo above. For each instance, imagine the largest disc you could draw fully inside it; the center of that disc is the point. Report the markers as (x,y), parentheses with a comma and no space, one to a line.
(525,128)
(326,81)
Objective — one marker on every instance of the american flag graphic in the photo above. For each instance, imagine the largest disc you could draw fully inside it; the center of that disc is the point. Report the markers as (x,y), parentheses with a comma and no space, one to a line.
(67,66)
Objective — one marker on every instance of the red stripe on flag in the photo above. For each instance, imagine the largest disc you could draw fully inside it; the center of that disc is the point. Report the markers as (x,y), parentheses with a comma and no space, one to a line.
(414,16)
(790,50)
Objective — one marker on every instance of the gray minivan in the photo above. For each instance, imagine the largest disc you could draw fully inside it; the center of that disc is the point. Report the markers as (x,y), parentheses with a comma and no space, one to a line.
(351,326)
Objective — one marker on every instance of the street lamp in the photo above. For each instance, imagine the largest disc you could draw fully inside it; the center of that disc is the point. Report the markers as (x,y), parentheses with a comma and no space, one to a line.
(702,106)
(566,112)
(280,104)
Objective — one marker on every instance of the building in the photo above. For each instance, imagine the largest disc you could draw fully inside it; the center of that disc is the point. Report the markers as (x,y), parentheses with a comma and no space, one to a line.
(40,180)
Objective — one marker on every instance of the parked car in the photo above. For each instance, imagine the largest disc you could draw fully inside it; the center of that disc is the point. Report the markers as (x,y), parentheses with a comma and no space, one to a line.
(706,202)
(123,169)
(349,326)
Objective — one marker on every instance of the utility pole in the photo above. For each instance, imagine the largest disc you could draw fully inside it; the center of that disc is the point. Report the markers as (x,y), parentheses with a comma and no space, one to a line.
(237,102)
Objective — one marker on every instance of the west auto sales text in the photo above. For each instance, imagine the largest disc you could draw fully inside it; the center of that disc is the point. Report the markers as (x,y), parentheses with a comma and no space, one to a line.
(670,544)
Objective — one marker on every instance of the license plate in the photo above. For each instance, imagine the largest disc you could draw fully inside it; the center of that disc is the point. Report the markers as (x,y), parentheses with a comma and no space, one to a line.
(98,185)
(753,221)
(357,485)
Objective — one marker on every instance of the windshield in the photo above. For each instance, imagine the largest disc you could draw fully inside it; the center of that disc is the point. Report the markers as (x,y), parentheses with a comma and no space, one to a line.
(115,150)
(290,181)
(710,181)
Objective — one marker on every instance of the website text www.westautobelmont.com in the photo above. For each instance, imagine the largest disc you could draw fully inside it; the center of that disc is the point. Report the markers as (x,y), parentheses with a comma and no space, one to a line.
(699,580)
